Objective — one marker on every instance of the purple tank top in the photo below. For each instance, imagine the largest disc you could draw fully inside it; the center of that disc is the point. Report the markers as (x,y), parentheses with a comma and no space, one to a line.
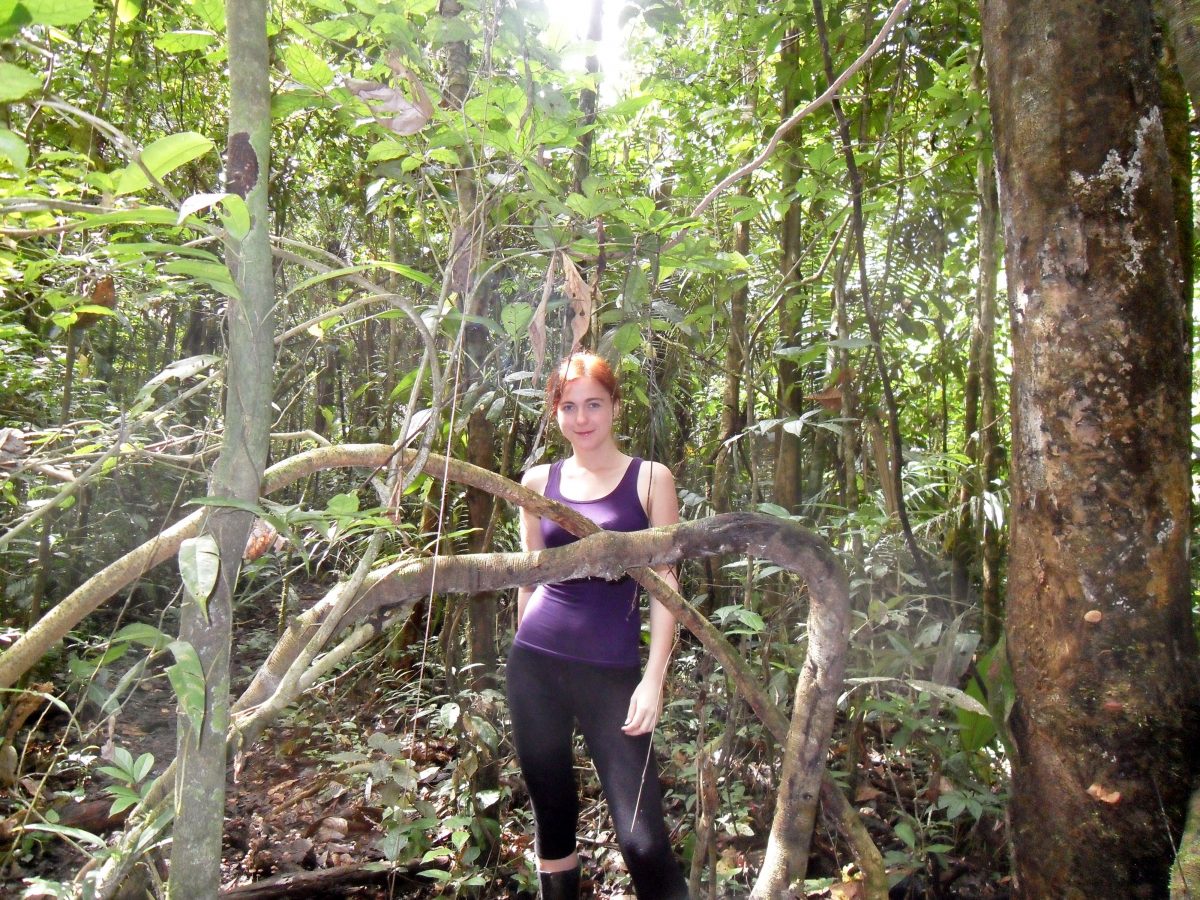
(588,619)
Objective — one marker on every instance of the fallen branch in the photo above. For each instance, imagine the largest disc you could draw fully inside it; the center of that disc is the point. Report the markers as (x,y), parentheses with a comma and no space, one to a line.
(322,881)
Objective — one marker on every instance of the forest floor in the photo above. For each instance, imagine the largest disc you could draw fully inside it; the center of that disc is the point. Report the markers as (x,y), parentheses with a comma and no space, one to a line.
(313,810)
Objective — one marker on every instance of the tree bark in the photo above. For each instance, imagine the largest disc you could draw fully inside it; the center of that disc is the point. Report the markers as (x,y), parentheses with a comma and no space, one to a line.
(788,463)
(200,783)
(1099,630)
(1183,29)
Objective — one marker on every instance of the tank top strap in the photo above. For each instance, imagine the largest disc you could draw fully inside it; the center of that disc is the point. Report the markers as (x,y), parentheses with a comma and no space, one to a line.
(553,480)
(627,490)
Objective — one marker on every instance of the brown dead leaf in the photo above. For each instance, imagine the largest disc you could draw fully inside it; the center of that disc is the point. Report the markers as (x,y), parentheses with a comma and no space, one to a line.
(12,445)
(866,793)
(261,538)
(1104,795)
(830,398)
(537,325)
(390,106)
(581,295)
(848,890)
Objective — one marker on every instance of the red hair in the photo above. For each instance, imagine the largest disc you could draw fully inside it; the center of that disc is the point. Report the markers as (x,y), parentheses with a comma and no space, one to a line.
(581,365)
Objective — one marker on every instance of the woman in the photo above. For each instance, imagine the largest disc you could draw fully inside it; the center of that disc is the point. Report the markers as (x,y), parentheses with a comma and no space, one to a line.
(576,655)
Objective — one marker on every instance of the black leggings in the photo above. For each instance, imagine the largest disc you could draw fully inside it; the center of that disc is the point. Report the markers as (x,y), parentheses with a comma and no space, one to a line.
(546,696)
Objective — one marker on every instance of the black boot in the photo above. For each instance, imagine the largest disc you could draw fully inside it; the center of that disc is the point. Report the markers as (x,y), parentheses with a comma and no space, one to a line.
(559,885)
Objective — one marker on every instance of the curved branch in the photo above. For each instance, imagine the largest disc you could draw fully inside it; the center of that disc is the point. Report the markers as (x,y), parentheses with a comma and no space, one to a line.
(606,554)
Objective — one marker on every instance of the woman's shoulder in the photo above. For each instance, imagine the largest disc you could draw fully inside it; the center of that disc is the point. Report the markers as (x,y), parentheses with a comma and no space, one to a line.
(536,477)
(655,471)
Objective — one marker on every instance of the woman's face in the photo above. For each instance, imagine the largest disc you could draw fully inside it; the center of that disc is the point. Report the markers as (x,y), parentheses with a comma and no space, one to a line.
(585,413)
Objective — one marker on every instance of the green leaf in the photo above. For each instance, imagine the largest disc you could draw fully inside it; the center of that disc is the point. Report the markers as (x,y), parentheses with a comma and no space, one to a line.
(398,268)
(334,29)
(143,633)
(387,150)
(306,67)
(184,41)
(14,149)
(236,217)
(952,695)
(215,275)
(128,10)
(228,502)
(178,370)
(905,832)
(15,82)
(13,16)
(628,338)
(187,680)
(78,834)
(162,157)
(199,565)
(142,767)
(57,12)
(515,318)
(211,12)
(342,504)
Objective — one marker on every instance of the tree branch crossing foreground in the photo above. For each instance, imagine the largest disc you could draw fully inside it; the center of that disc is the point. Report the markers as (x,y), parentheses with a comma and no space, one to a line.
(395,588)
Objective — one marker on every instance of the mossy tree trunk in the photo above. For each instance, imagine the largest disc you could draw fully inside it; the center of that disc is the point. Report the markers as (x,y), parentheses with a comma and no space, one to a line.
(1099,629)
(200,779)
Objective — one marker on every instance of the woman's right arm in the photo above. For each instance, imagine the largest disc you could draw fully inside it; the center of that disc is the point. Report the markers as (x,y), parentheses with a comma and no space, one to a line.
(531,530)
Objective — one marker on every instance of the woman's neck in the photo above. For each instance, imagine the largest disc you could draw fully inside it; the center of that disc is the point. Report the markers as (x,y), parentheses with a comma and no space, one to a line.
(598,459)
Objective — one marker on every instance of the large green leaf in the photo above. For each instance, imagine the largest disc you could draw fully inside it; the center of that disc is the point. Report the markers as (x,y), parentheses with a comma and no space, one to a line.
(215,275)
(13,149)
(128,10)
(162,157)
(184,41)
(199,565)
(16,83)
(187,680)
(57,12)
(306,67)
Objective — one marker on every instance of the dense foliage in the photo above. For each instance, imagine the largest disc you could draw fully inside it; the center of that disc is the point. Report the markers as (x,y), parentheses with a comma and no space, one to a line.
(113,287)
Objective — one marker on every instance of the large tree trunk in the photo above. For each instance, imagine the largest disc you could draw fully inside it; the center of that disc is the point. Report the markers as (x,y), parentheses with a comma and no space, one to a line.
(1100,637)
(1182,18)
(200,784)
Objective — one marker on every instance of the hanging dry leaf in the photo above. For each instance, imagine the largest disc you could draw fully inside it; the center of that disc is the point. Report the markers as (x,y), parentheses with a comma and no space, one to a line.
(104,294)
(261,538)
(830,398)
(1104,795)
(391,106)
(537,325)
(581,295)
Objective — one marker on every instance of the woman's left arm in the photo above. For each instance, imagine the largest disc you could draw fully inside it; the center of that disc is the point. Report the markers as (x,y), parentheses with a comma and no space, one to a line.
(645,706)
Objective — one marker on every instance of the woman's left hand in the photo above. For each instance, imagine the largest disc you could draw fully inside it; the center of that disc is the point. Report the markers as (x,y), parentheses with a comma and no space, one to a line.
(644,708)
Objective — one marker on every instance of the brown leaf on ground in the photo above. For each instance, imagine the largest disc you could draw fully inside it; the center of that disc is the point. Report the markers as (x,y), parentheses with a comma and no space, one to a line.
(1104,795)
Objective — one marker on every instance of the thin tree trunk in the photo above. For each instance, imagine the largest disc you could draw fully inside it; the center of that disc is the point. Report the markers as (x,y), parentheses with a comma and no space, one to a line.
(587,102)
(873,323)
(200,783)
(979,413)
(788,468)
(1099,632)
(992,600)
